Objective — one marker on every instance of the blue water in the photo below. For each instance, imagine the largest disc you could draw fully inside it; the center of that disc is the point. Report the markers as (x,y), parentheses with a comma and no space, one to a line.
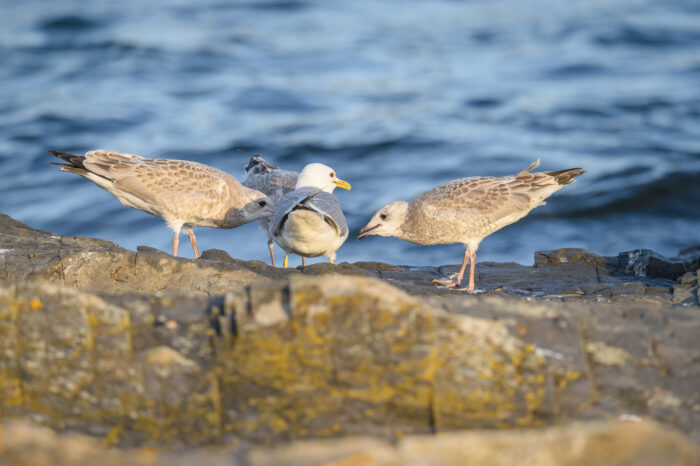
(397,96)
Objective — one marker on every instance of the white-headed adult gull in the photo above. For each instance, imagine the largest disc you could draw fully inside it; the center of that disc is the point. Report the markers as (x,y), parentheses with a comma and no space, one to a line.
(309,221)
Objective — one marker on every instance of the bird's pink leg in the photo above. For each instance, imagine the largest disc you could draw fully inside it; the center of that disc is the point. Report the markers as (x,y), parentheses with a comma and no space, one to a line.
(449,282)
(193,240)
(303,261)
(271,247)
(472,266)
(175,243)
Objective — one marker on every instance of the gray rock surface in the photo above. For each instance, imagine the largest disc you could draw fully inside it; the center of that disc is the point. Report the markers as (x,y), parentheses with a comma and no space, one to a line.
(565,274)
(143,349)
(639,443)
(282,360)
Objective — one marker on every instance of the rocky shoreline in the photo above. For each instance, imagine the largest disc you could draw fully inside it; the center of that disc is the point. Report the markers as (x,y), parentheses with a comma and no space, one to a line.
(140,349)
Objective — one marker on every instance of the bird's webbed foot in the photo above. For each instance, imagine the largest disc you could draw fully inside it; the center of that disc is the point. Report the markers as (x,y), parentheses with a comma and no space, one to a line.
(447,282)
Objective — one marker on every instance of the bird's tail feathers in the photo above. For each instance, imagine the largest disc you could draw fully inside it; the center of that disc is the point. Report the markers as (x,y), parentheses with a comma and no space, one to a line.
(566,176)
(258,166)
(70,168)
(74,162)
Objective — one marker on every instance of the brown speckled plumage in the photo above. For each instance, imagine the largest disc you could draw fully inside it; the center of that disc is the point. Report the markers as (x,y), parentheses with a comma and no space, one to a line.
(469,209)
(181,192)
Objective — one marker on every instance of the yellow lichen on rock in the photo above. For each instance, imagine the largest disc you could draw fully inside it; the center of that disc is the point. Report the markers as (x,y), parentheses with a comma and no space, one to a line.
(352,340)
(607,355)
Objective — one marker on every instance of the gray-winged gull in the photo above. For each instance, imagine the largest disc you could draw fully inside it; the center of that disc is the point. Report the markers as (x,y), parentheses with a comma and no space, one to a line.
(466,211)
(274,182)
(180,192)
(309,221)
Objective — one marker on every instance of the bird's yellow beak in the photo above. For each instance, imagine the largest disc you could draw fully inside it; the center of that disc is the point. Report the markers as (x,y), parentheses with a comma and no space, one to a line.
(342,184)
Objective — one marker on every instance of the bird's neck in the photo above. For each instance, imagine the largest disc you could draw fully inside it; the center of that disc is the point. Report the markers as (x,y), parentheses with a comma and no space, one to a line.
(404,233)
(235,217)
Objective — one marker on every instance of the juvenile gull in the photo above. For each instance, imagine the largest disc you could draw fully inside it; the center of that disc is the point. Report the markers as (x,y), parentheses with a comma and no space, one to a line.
(467,210)
(274,182)
(180,192)
(309,221)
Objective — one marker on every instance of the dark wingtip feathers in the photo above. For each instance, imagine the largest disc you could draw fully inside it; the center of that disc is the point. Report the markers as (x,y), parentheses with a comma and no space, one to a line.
(72,159)
(259,166)
(62,155)
(567,176)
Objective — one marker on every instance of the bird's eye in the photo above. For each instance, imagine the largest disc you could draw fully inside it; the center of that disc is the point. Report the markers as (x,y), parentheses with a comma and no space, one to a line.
(262,203)
(383,216)
(331,174)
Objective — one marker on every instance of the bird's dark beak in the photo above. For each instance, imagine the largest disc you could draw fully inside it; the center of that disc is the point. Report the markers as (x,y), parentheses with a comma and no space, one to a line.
(367,230)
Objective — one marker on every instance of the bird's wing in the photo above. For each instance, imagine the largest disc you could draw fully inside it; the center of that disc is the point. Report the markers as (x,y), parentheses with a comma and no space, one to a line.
(319,202)
(274,184)
(479,196)
(110,164)
(155,179)
(327,205)
(285,206)
(287,181)
(491,198)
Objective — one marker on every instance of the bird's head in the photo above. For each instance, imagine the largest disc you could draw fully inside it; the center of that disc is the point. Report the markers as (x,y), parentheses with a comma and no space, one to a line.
(386,221)
(320,176)
(257,207)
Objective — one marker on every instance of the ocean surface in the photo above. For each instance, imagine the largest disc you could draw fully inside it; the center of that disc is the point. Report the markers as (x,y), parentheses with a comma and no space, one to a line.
(396,96)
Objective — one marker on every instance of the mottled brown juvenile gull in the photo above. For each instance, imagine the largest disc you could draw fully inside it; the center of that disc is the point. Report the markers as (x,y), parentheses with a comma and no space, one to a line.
(467,210)
(309,221)
(180,192)
(274,182)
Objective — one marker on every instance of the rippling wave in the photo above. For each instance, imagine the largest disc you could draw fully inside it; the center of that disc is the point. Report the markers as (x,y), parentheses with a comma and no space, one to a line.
(397,100)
